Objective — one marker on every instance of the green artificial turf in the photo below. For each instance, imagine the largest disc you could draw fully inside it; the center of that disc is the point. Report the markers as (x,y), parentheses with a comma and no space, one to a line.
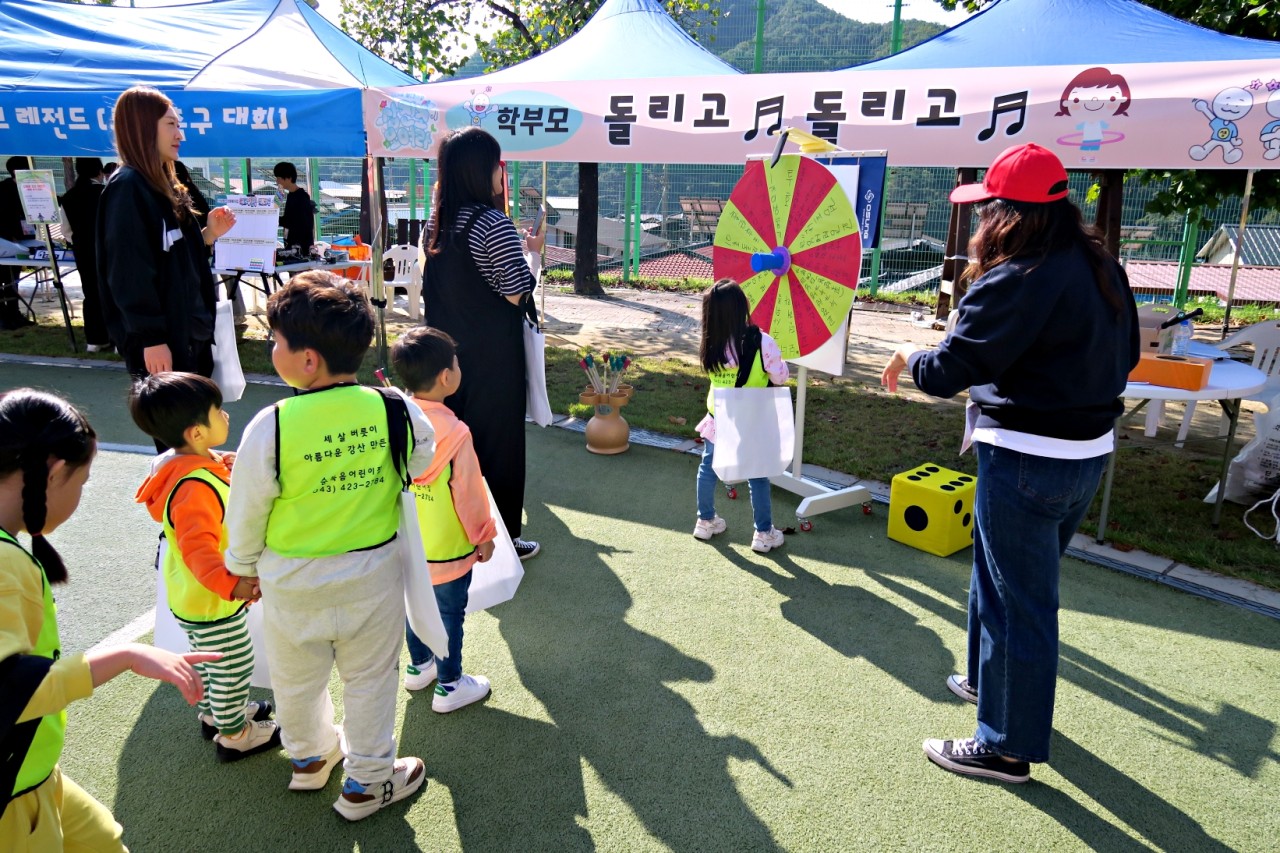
(655,692)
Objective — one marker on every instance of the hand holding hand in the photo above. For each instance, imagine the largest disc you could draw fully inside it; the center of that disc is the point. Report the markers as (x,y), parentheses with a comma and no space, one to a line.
(485,551)
(158,359)
(228,457)
(247,589)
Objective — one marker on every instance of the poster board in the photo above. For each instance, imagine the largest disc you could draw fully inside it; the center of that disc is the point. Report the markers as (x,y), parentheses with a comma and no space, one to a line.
(250,245)
(39,194)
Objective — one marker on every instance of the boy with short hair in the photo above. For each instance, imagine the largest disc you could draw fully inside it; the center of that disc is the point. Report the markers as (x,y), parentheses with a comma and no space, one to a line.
(313,515)
(453,513)
(186,492)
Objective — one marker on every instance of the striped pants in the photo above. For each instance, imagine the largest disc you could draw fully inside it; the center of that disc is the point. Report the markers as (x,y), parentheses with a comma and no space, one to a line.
(226,681)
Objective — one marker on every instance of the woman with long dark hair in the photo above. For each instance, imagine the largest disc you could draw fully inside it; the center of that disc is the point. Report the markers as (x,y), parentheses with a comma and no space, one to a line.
(157,288)
(1044,341)
(476,287)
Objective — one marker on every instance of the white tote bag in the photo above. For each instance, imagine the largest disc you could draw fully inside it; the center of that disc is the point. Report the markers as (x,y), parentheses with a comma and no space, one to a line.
(419,597)
(170,636)
(226,358)
(497,579)
(536,404)
(755,433)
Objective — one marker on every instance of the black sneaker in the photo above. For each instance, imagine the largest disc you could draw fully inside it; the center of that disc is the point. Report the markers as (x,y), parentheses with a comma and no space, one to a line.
(971,757)
(525,549)
(960,686)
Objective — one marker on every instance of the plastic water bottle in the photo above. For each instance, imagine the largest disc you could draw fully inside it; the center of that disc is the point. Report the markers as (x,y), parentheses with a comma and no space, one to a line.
(1181,342)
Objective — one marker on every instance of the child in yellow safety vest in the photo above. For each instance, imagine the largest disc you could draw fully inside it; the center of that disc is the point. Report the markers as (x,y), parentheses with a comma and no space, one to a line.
(453,512)
(313,515)
(186,491)
(46,449)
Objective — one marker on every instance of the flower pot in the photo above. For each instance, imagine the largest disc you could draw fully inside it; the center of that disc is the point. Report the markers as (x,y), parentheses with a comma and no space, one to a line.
(607,431)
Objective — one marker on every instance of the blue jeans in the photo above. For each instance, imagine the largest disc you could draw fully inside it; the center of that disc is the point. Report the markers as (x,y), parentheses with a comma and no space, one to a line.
(1026,510)
(451,598)
(761,500)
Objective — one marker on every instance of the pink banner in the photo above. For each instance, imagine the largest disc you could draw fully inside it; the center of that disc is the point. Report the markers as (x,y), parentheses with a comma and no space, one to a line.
(1174,115)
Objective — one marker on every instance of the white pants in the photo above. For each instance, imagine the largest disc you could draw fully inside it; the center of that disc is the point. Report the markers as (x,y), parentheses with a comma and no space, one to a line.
(363,638)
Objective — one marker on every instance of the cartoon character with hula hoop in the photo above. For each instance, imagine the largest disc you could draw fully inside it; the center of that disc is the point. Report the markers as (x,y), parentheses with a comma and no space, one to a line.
(1095,94)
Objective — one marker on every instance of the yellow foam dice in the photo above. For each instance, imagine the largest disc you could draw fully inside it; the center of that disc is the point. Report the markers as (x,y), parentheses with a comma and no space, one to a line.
(931,508)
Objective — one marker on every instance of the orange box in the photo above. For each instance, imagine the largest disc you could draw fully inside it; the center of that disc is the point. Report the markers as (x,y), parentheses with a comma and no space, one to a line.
(1173,371)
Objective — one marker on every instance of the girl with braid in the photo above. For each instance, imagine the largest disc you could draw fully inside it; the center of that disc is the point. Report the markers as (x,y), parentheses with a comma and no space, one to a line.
(46,449)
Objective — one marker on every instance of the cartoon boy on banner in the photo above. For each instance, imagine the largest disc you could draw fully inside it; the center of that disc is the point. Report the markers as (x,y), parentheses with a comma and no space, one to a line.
(1229,106)
(1095,94)
(479,106)
(1270,135)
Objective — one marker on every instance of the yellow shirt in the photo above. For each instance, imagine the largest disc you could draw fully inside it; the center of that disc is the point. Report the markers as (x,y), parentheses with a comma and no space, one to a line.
(21,616)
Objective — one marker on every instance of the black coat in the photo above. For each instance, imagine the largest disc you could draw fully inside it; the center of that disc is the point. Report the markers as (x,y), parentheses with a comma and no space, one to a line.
(151,294)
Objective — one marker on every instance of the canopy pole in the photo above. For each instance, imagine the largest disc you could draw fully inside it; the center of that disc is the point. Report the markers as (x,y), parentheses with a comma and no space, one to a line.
(413,188)
(246,178)
(542,286)
(637,198)
(1235,256)
(226,176)
(1186,257)
(377,233)
(626,222)
(313,178)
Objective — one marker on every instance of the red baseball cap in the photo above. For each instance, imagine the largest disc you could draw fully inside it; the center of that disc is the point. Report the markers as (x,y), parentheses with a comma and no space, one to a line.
(1027,173)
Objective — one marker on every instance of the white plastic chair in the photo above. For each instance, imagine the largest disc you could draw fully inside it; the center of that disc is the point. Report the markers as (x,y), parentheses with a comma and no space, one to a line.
(1265,338)
(408,276)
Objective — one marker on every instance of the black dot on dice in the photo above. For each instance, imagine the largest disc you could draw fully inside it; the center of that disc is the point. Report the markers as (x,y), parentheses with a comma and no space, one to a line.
(966,479)
(947,487)
(964,522)
(959,506)
(913,477)
(933,469)
(917,519)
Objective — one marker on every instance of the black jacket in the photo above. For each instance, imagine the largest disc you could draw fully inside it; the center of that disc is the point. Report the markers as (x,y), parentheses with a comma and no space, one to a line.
(1039,348)
(151,295)
(81,204)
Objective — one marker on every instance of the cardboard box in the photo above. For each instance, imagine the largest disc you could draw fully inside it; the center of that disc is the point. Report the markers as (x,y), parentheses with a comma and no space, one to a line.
(1153,338)
(1173,371)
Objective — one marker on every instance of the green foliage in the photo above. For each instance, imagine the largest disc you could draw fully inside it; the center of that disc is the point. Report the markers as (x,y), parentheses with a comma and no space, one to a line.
(1189,191)
(435,37)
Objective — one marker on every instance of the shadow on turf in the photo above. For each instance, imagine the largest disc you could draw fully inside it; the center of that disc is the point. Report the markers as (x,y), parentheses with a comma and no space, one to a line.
(606,687)
(173,794)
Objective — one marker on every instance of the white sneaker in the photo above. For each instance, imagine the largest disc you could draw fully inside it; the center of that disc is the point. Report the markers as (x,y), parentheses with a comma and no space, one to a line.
(256,736)
(357,801)
(767,541)
(312,774)
(416,678)
(708,527)
(464,691)
(255,711)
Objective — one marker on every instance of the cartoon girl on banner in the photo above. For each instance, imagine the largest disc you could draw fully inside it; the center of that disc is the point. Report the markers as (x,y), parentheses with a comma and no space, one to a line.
(1270,135)
(1095,94)
(1229,106)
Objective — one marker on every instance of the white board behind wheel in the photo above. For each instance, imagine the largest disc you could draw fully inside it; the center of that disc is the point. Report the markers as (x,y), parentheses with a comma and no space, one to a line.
(755,433)
(170,636)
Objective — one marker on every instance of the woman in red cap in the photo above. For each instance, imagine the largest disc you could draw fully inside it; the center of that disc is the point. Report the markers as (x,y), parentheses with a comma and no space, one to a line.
(1044,341)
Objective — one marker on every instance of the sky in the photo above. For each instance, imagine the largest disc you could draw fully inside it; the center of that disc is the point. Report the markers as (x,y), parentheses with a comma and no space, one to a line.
(869,11)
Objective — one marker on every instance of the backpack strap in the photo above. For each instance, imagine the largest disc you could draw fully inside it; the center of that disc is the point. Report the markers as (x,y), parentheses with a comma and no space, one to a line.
(747,354)
(398,439)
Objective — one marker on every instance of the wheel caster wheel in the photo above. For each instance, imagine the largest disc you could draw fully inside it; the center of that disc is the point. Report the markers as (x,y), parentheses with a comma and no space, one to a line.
(866,508)
(806,525)
(733,493)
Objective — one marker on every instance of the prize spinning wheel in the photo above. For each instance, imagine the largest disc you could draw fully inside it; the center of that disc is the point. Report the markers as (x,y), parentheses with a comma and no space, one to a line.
(789,236)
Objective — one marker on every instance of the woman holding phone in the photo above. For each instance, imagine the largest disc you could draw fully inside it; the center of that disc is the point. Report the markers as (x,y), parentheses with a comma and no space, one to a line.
(477,285)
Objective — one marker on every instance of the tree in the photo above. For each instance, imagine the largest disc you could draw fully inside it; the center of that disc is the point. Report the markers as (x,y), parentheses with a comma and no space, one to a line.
(1187,190)
(424,37)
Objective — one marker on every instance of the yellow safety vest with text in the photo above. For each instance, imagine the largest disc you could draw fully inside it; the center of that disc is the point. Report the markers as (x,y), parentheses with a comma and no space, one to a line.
(46,746)
(190,600)
(444,539)
(727,377)
(338,484)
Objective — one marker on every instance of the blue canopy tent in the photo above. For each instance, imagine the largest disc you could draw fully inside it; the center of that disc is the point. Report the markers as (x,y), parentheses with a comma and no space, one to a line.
(624,38)
(252,78)
(1012,33)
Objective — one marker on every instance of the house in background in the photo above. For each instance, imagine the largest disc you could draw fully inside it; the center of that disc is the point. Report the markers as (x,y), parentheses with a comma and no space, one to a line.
(1261,246)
